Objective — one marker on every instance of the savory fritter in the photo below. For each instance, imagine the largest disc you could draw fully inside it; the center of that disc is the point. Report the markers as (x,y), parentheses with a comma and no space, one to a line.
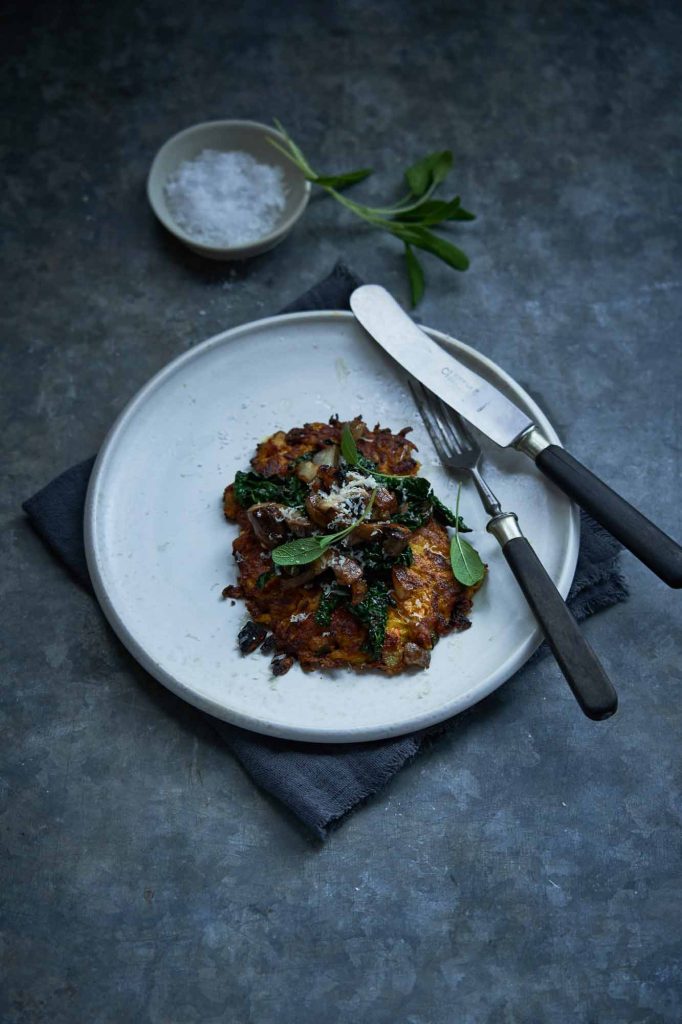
(343,551)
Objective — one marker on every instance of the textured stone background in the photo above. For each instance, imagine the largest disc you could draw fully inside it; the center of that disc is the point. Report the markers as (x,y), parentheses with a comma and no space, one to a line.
(526,868)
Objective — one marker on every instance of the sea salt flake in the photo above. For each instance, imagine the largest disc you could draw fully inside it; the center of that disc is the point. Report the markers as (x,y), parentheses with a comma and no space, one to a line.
(226,199)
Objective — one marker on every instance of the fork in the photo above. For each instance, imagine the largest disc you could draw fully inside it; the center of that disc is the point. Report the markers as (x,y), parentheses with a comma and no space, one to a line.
(461,454)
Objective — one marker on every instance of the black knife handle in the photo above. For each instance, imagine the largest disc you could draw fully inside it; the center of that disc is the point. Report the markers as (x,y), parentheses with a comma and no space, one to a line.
(591,686)
(638,534)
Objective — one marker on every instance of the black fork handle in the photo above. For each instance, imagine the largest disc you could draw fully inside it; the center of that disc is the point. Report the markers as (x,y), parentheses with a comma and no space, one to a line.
(583,671)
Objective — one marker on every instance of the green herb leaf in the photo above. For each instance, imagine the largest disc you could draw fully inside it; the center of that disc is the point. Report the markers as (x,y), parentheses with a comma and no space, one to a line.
(465,560)
(375,561)
(440,247)
(432,212)
(428,172)
(443,513)
(372,611)
(330,600)
(300,552)
(252,488)
(340,181)
(462,214)
(264,578)
(411,488)
(414,516)
(349,449)
(415,274)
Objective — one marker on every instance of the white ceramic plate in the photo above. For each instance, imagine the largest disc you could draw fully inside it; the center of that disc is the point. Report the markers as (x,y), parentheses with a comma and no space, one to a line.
(159,549)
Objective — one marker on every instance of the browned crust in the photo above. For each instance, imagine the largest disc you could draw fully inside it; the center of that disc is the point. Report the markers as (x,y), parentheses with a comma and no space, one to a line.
(391,452)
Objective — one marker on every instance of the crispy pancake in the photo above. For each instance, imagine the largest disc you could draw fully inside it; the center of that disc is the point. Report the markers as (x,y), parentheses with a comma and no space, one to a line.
(426,601)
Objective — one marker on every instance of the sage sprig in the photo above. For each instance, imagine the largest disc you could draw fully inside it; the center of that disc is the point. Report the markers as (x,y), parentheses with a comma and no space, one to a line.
(410,218)
(309,549)
(465,560)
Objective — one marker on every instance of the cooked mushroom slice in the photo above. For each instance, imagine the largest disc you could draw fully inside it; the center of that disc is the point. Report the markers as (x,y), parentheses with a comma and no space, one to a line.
(269,644)
(299,579)
(416,656)
(348,573)
(385,504)
(251,636)
(297,521)
(319,509)
(346,570)
(272,522)
(395,538)
(268,523)
(281,664)
(365,532)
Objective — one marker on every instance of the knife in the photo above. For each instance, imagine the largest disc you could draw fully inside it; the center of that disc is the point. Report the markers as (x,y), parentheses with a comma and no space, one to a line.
(508,426)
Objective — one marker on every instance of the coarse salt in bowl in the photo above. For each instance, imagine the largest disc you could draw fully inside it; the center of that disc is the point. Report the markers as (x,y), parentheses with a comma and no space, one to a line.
(224,190)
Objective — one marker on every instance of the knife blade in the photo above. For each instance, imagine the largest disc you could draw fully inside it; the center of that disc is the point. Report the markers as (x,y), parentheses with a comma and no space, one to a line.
(458,386)
(503,422)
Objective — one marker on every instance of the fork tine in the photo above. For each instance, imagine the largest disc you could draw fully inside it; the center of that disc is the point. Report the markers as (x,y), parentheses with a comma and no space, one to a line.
(426,409)
(420,396)
(456,447)
(460,427)
(456,428)
(439,413)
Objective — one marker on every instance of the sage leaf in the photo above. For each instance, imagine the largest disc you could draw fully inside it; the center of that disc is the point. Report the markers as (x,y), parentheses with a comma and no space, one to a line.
(466,562)
(435,211)
(299,552)
(440,247)
(415,274)
(339,181)
(431,212)
(428,172)
(461,214)
(349,449)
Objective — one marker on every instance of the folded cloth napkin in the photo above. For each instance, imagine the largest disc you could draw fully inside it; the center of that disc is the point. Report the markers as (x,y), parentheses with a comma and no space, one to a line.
(319,783)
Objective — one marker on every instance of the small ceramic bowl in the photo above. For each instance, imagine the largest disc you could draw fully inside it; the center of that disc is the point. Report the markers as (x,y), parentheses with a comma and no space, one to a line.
(225,136)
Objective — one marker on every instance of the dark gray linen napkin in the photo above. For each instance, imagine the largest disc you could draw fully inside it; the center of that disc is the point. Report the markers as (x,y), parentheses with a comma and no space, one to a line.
(319,783)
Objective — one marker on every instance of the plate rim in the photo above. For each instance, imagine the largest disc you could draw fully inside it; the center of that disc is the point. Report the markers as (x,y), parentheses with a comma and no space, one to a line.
(502,674)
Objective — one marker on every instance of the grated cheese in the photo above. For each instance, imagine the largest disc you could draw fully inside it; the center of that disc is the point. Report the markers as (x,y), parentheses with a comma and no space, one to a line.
(350,498)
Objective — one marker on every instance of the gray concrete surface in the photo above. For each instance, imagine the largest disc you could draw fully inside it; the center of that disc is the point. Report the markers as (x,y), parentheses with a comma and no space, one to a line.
(526,868)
